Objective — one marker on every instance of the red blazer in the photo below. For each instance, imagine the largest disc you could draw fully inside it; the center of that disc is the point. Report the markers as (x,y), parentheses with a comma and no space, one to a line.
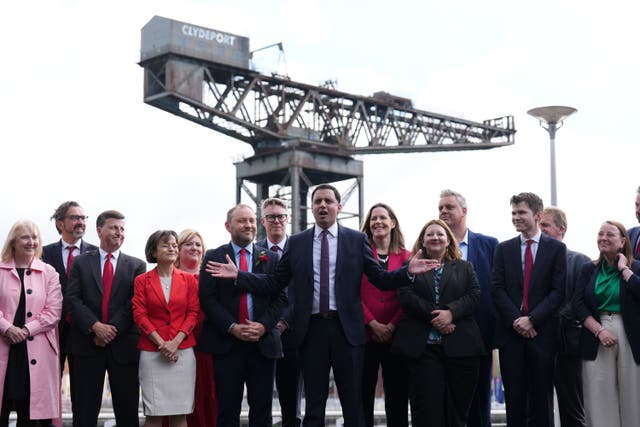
(379,305)
(151,312)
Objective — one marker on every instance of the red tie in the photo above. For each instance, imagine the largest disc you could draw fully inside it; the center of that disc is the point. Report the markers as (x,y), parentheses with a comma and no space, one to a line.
(107,282)
(528,269)
(324,273)
(70,258)
(243,310)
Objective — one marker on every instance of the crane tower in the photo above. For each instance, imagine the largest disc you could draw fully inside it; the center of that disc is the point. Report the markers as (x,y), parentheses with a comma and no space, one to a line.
(302,135)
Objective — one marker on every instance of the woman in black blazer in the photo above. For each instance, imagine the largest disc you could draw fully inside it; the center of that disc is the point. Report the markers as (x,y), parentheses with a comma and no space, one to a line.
(607,301)
(438,332)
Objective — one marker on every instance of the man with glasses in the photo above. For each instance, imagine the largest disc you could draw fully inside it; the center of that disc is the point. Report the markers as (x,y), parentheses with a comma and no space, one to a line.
(70,222)
(274,219)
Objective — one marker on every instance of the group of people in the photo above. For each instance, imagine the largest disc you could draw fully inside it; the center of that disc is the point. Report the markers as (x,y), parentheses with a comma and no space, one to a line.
(201,326)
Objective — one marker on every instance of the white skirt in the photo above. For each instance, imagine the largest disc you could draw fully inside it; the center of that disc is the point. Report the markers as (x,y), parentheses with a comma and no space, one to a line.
(167,387)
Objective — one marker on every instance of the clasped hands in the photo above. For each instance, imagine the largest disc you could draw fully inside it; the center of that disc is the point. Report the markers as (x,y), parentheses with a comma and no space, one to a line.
(248,331)
(524,327)
(228,270)
(104,333)
(15,335)
(443,321)
(169,349)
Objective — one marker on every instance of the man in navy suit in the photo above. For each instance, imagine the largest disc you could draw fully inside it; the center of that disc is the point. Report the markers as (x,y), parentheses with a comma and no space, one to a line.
(634,233)
(327,323)
(478,249)
(529,273)
(274,219)
(70,222)
(103,337)
(239,328)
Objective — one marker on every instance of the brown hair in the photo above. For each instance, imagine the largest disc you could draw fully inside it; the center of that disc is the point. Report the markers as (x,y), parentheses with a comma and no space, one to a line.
(626,247)
(452,251)
(397,238)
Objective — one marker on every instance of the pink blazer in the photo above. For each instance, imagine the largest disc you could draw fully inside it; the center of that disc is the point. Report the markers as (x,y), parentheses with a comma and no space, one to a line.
(151,312)
(380,305)
(43,309)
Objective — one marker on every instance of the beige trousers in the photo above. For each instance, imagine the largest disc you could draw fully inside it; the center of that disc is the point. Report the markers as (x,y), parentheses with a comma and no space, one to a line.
(611,383)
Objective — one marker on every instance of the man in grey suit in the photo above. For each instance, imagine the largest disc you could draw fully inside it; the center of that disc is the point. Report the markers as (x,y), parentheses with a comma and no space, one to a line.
(326,263)
(634,232)
(103,335)
(568,375)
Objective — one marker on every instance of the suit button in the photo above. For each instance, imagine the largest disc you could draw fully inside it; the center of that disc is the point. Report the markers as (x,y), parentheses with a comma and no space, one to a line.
(168,323)
(33,361)
(29,314)
(30,338)
(29,291)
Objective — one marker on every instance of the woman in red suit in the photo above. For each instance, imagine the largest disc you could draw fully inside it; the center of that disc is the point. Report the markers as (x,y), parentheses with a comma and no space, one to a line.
(191,248)
(165,308)
(382,313)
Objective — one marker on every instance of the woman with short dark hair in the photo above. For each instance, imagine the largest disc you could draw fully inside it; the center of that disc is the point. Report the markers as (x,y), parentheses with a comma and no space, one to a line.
(165,308)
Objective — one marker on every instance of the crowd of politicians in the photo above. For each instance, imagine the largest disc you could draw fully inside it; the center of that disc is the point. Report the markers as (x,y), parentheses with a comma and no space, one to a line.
(188,337)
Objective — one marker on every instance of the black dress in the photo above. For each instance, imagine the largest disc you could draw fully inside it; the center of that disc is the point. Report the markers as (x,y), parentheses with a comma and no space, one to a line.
(16,380)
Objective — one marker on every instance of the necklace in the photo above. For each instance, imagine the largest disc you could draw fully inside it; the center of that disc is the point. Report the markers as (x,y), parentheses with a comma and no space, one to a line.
(383,258)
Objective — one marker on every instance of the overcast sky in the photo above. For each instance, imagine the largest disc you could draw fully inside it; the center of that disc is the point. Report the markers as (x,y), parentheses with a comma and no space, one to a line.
(74,126)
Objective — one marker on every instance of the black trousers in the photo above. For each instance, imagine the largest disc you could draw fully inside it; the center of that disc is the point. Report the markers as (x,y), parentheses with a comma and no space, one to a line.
(568,383)
(87,385)
(326,347)
(441,388)
(288,384)
(244,364)
(480,412)
(395,377)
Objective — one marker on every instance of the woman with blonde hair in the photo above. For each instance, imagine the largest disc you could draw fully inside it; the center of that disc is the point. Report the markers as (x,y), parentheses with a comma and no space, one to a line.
(438,333)
(30,309)
(607,302)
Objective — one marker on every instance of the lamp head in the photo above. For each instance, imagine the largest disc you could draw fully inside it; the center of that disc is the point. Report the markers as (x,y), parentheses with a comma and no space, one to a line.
(552,114)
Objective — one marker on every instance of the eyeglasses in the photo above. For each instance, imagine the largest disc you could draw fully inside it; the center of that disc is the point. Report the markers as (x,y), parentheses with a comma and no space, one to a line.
(273,218)
(76,218)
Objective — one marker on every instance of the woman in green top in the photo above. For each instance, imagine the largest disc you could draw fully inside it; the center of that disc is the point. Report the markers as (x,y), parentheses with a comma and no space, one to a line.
(607,301)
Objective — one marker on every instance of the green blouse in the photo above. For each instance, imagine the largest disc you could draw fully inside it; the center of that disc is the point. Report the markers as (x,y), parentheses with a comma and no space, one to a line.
(607,288)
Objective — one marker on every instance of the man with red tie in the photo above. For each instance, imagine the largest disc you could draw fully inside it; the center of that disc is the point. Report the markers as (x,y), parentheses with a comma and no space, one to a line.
(70,222)
(274,219)
(528,280)
(103,335)
(634,232)
(240,329)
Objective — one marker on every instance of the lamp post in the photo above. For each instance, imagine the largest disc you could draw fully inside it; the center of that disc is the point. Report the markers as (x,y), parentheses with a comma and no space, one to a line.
(553,117)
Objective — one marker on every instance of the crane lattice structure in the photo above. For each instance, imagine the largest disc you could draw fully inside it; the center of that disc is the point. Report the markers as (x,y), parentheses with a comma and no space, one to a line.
(302,135)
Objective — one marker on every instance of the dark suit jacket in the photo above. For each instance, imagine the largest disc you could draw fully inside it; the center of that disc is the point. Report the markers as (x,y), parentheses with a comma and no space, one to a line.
(460,293)
(584,303)
(354,258)
(83,300)
(220,300)
(152,312)
(52,255)
(287,313)
(480,255)
(545,290)
(634,237)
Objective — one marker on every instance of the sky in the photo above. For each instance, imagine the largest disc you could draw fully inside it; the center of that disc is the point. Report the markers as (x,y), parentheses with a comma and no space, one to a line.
(73,124)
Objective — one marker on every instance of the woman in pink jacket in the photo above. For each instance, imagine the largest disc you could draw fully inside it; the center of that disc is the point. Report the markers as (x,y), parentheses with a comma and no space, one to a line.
(30,307)
(382,313)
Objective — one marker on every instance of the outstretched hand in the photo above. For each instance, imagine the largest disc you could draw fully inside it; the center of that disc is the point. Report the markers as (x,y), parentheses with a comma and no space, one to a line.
(220,270)
(419,265)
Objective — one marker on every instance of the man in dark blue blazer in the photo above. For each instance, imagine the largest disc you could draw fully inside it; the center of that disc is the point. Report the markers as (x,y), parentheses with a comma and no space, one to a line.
(327,327)
(70,222)
(526,333)
(478,249)
(274,219)
(244,350)
(103,336)
(634,232)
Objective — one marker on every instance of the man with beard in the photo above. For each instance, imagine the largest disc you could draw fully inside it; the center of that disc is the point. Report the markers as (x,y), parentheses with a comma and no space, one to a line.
(70,222)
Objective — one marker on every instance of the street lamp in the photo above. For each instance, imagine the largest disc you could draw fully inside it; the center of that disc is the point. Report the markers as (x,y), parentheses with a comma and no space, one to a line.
(551,116)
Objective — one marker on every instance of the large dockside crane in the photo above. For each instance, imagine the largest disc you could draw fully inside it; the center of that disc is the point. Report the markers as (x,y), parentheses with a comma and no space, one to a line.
(302,135)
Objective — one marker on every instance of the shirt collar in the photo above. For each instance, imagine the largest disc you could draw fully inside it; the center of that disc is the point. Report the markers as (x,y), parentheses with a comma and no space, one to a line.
(333,230)
(535,238)
(280,245)
(103,254)
(237,248)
